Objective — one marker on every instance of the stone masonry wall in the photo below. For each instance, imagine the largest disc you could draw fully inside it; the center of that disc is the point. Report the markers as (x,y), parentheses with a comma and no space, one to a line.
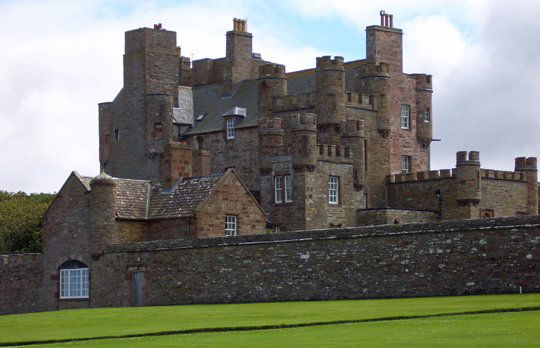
(435,259)
(230,198)
(20,277)
(382,216)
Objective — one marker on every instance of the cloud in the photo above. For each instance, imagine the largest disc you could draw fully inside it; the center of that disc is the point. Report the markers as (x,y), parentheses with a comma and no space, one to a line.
(61,58)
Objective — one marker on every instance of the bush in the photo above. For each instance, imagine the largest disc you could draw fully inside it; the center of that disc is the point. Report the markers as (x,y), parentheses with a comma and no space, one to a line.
(20,220)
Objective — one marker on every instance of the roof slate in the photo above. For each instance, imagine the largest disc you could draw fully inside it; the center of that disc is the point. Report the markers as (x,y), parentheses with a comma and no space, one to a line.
(208,99)
(182,199)
(131,198)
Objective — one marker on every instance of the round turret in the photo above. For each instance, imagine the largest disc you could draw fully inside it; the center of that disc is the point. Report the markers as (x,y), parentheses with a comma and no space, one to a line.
(304,141)
(468,177)
(330,90)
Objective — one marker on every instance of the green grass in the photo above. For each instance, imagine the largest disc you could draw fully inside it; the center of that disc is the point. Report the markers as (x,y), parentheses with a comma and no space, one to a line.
(88,323)
(484,330)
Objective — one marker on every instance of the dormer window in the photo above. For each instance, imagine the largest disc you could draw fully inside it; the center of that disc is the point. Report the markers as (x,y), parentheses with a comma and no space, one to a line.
(230,128)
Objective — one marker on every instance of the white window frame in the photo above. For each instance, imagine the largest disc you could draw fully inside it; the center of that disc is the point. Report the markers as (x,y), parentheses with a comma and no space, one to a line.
(231,225)
(230,128)
(405,116)
(427,115)
(278,189)
(333,189)
(74,283)
(405,164)
(287,180)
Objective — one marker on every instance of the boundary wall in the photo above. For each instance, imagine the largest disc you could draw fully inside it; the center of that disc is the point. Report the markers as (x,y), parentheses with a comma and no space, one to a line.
(433,259)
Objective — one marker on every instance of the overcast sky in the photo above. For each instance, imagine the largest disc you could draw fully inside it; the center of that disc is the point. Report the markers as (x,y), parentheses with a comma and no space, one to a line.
(59,59)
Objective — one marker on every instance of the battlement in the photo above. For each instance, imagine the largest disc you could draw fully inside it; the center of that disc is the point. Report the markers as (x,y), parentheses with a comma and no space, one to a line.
(327,63)
(502,175)
(271,126)
(464,158)
(333,153)
(272,71)
(354,128)
(294,102)
(357,100)
(421,176)
(303,122)
(524,163)
(375,70)
(423,82)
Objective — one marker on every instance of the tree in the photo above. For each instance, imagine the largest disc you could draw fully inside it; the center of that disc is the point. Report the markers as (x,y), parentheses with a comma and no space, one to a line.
(20,220)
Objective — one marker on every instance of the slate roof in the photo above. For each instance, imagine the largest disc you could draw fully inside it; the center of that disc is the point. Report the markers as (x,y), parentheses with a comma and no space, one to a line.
(142,199)
(182,199)
(208,99)
(131,198)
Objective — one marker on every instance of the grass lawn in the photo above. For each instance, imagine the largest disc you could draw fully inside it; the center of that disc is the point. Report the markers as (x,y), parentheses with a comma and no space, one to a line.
(483,330)
(73,324)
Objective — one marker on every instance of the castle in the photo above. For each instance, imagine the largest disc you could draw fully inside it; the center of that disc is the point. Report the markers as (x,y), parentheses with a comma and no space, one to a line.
(340,145)
(236,146)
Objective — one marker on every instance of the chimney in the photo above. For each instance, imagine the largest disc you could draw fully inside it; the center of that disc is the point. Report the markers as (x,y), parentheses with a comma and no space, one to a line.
(177,162)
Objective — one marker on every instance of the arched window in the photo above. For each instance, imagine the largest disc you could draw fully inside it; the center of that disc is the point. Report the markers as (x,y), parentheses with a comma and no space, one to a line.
(73,280)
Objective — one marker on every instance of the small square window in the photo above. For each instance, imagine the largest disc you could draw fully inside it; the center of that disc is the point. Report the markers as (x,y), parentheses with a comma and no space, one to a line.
(333,190)
(405,117)
(231,227)
(230,128)
(405,164)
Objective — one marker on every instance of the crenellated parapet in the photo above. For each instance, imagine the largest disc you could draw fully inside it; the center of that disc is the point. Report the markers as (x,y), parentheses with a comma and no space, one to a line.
(294,102)
(333,153)
(421,176)
(303,148)
(272,70)
(371,70)
(327,63)
(357,100)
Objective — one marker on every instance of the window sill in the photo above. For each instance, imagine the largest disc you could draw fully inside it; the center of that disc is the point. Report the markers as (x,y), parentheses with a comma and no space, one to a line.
(76,299)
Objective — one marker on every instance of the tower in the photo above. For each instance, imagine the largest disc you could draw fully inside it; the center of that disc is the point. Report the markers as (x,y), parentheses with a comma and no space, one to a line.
(468,184)
(330,98)
(137,125)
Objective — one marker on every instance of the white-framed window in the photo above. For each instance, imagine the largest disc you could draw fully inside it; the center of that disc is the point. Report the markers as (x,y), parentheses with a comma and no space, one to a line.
(278,189)
(230,128)
(405,116)
(333,189)
(74,283)
(427,115)
(405,164)
(288,188)
(231,227)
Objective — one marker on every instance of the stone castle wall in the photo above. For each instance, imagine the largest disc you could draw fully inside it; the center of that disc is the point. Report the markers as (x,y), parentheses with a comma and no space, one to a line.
(434,259)
(20,281)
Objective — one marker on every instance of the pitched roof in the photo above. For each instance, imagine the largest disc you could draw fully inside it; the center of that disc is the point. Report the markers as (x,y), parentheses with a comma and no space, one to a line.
(209,100)
(131,198)
(182,199)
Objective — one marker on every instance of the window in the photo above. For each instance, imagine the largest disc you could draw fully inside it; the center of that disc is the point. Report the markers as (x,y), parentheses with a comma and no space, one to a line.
(117,134)
(405,120)
(283,189)
(333,190)
(405,164)
(73,280)
(330,102)
(278,189)
(288,188)
(231,228)
(427,115)
(158,130)
(230,128)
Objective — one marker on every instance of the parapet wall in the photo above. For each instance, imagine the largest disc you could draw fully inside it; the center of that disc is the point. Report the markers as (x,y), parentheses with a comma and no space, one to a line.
(433,259)
(20,283)
(294,102)
(450,173)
